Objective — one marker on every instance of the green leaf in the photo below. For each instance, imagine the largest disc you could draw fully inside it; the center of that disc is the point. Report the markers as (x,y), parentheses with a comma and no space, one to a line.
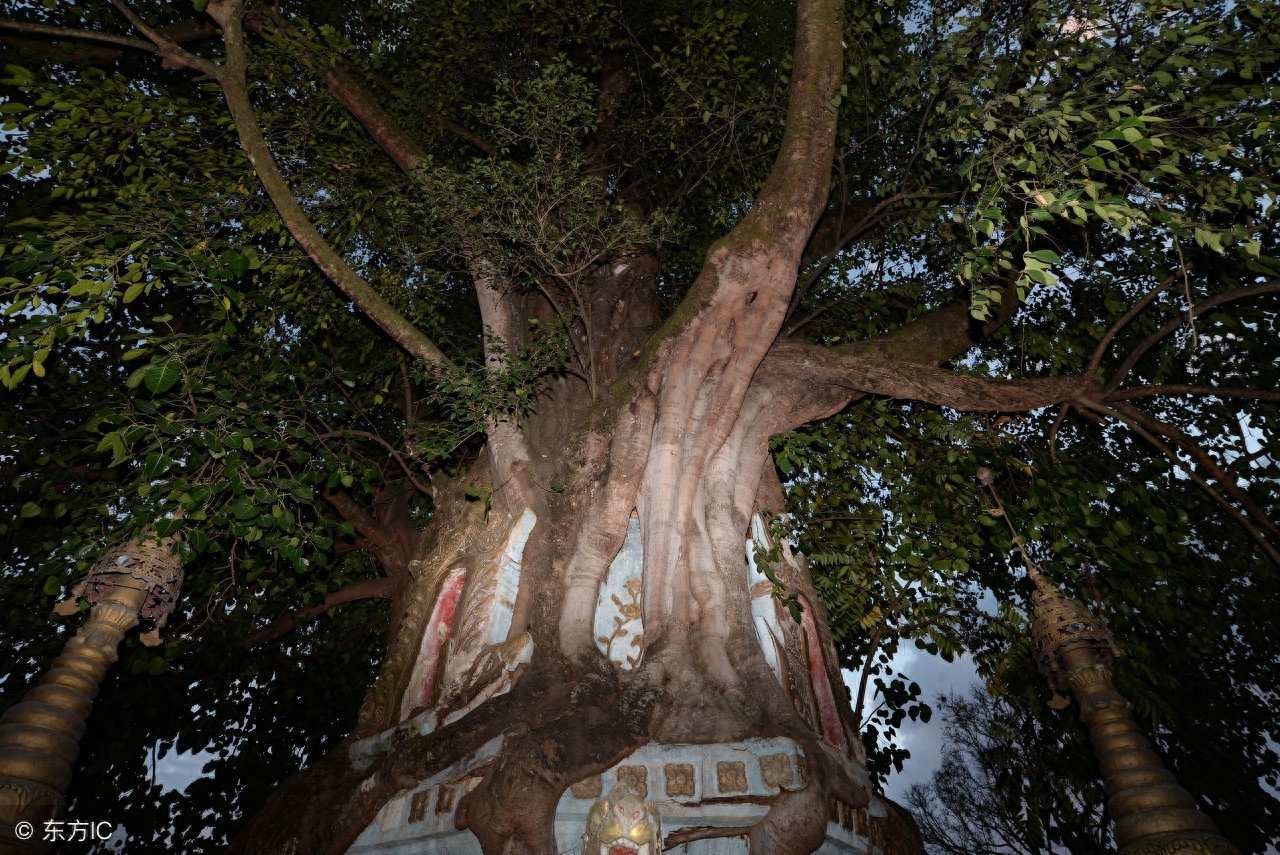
(30,509)
(238,264)
(115,443)
(52,586)
(166,527)
(244,509)
(160,376)
(156,464)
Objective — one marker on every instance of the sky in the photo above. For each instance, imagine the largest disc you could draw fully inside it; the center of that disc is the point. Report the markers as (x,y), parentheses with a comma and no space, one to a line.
(924,741)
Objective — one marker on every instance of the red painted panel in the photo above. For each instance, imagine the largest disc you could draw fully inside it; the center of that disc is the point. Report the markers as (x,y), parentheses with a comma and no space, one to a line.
(436,634)
(832,729)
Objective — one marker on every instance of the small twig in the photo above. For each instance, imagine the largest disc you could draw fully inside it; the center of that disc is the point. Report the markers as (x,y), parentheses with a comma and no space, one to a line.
(864,225)
(1017,539)
(1053,431)
(924,121)
(343,434)
(1186,290)
(1128,316)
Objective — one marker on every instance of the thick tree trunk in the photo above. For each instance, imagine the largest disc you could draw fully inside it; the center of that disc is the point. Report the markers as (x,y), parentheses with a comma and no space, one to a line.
(570,712)
(662,453)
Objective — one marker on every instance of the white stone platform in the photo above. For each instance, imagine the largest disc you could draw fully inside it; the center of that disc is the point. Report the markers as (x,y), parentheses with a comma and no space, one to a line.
(721,785)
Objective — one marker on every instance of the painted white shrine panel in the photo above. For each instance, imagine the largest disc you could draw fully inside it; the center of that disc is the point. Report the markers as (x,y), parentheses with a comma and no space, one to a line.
(619,623)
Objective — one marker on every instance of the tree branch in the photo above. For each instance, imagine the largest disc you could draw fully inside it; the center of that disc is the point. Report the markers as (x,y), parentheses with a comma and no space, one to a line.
(946,333)
(166,47)
(754,265)
(1180,389)
(859,368)
(234,87)
(1229,482)
(507,442)
(1129,316)
(1200,308)
(1137,427)
(376,121)
(792,198)
(367,589)
(78,35)
(351,511)
(681,836)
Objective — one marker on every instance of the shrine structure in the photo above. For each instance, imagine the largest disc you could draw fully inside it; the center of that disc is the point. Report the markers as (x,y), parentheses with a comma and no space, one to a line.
(685,798)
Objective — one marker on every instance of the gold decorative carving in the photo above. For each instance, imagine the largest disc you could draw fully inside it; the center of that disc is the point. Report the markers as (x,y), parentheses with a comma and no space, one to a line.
(444,803)
(776,771)
(477,605)
(623,630)
(149,560)
(381,707)
(795,666)
(418,807)
(1179,844)
(588,788)
(1090,675)
(623,820)
(1060,625)
(731,776)
(679,779)
(634,778)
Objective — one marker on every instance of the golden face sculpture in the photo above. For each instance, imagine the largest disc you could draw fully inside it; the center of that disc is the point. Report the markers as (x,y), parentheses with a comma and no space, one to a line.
(622,823)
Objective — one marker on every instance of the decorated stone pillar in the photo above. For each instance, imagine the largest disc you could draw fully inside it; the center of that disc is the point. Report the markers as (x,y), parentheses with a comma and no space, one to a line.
(1153,815)
(39,737)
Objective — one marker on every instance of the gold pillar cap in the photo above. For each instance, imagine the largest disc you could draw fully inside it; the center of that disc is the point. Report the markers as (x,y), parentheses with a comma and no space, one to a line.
(1060,625)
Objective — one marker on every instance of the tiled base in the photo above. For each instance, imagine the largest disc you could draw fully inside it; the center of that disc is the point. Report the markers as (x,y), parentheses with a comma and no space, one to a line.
(690,785)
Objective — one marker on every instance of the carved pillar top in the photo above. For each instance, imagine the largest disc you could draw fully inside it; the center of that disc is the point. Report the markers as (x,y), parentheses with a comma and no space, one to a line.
(1062,630)
(149,560)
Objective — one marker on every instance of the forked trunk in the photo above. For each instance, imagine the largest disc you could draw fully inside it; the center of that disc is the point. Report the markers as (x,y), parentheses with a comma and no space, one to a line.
(617,628)
(594,656)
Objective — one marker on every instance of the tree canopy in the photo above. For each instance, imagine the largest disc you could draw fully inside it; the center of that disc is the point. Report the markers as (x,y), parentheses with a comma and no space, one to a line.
(240,254)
